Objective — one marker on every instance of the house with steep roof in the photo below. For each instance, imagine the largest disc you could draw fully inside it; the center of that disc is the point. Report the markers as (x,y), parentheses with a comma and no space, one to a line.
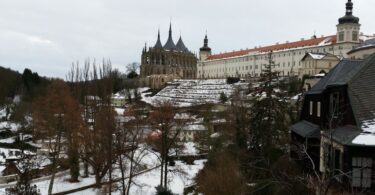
(336,131)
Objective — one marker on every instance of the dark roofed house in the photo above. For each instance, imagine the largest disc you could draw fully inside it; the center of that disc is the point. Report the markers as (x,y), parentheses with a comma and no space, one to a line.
(337,127)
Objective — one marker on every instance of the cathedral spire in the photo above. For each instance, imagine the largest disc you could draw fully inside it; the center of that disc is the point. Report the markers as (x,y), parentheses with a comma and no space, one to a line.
(169,45)
(158,44)
(170,29)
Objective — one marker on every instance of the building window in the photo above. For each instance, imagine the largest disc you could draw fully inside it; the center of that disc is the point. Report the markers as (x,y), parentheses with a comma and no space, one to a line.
(355,35)
(341,36)
(362,171)
(311,107)
(334,103)
(318,109)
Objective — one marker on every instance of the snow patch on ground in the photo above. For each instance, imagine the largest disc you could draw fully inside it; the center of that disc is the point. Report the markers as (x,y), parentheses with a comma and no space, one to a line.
(8,140)
(9,125)
(147,182)
(2,112)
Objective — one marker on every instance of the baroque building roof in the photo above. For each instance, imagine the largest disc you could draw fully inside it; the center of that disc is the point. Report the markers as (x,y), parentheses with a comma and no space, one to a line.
(205,45)
(349,18)
(327,40)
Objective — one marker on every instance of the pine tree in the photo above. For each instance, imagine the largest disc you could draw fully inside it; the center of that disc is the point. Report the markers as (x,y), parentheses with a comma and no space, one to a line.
(269,120)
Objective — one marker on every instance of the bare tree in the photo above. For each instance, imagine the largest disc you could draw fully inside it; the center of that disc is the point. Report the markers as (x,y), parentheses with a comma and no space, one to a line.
(129,138)
(56,118)
(163,119)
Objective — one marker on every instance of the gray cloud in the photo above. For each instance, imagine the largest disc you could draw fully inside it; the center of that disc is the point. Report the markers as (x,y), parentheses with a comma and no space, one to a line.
(47,36)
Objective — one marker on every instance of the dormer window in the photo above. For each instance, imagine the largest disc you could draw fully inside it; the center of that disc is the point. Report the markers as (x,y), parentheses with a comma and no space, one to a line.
(334,104)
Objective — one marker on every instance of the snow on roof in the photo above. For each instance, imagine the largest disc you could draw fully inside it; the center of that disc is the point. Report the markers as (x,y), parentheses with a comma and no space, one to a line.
(317,56)
(120,111)
(368,137)
(296,97)
(215,135)
(320,75)
(182,116)
(118,96)
(369,126)
(365,139)
(195,127)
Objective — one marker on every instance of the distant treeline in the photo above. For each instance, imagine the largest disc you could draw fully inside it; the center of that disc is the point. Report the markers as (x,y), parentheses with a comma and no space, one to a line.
(28,84)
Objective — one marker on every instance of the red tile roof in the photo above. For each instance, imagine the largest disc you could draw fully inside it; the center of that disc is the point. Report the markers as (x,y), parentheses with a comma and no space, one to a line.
(284,46)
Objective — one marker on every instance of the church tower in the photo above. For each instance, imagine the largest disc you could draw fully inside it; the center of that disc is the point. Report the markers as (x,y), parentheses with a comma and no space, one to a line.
(348,27)
(204,51)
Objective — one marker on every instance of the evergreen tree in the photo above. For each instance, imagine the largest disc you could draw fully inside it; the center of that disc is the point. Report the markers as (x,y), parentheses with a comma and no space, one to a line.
(269,120)
(223,97)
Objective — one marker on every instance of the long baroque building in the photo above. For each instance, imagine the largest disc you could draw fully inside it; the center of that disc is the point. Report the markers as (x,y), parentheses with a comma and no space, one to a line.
(287,56)
(161,64)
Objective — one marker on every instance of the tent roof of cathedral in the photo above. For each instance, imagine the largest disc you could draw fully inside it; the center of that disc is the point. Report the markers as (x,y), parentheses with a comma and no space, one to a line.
(278,47)
(181,46)
(158,44)
(169,45)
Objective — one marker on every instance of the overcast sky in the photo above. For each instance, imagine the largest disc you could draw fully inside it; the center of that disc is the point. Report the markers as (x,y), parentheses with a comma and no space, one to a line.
(48,35)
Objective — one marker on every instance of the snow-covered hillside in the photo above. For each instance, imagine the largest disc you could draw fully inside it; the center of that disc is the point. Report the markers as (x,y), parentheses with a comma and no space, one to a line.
(194,92)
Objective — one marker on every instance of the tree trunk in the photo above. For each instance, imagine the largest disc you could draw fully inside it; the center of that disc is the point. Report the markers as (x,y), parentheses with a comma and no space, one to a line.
(98,179)
(124,191)
(166,171)
(130,173)
(50,187)
(86,169)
